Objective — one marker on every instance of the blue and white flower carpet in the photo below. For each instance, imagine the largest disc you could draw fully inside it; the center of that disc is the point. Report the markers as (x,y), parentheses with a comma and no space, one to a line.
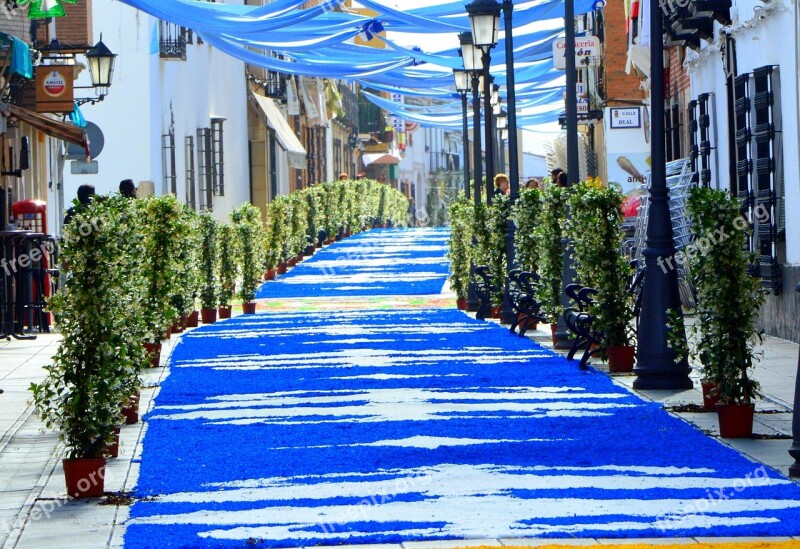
(363,426)
(378,262)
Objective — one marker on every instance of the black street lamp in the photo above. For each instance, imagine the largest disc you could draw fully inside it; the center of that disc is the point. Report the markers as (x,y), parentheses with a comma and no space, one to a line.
(101,64)
(471,58)
(501,123)
(461,77)
(562,334)
(484,18)
(656,364)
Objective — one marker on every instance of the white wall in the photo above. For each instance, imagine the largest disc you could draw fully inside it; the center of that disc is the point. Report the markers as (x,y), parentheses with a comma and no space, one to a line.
(771,41)
(533,165)
(137,110)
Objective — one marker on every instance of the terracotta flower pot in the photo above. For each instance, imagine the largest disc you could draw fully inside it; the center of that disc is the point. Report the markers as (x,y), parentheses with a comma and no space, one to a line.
(209,315)
(281,268)
(620,359)
(461,304)
(225,312)
(292,261)
(85,478)
(192,319)
(553,330)
(310,251)
(300,257)
(710,396)
(177,326)
(269,274)
(347,234)
(249,307)
(496,311)
(131,411)
(112,448)
(735,420)
(526,323)
(153,353)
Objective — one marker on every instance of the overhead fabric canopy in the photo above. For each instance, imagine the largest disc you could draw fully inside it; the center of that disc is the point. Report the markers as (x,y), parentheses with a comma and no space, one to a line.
(318,41)
(379,159)
(54,128)
(272,117)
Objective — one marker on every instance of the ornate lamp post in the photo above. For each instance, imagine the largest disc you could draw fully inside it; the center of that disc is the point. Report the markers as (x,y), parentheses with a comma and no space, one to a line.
(484,18)
(461,77)
(656,366)
(472,60)
(501,122)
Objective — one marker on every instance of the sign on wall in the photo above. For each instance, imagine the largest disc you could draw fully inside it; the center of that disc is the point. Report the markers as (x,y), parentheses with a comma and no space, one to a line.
(626,117)
(54,92)
(588,52)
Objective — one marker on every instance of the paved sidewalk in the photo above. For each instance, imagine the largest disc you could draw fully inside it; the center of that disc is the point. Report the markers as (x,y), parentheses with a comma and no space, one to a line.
(35,513)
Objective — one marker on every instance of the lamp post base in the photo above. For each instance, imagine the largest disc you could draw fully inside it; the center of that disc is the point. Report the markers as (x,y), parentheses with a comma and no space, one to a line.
(662,380)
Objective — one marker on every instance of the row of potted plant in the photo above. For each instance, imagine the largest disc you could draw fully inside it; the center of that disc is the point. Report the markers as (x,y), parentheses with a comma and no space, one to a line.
(728,296)
(133,271)
(294,222)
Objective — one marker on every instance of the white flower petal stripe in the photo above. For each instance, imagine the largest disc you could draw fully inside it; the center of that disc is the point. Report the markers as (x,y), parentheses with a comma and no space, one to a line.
(286,430)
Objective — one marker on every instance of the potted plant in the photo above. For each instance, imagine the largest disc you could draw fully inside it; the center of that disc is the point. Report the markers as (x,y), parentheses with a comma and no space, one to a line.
(594,229)
(228,252)
(249,246)
(99,313)
(728,301)
(209,269)
(277,233)
(312,199)
(186,255)
(459,248)
(549,234)
(498,216)
(166,229)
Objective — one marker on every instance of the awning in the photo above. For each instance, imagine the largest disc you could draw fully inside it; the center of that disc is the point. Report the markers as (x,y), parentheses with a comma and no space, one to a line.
(54,128)
(379,159)
(271,116)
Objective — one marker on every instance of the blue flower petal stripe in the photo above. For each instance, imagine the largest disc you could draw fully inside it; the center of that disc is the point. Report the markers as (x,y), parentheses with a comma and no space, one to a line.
(377,262)
(286,430)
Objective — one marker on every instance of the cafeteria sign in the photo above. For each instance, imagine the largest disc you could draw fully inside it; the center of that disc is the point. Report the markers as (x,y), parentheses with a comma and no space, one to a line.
(54,92)
(588,52)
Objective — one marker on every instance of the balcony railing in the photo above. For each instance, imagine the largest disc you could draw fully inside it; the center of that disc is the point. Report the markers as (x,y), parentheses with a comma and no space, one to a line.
(172,40)
(444,162)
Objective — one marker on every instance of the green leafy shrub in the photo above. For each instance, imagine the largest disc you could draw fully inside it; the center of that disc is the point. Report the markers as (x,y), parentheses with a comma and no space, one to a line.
(548,235)
(459,244)
(728,298)
(209,263)
(228,267)
(594,228)
(526,215)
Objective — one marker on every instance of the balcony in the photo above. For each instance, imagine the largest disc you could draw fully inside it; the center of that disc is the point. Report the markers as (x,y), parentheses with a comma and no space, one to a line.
(172,41)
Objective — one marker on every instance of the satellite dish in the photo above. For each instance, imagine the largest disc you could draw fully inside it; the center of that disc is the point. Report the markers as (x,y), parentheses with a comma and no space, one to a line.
(96,143)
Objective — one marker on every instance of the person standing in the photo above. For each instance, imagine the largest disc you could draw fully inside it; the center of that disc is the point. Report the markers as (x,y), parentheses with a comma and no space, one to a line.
(127,188)
(502,184)
(85,197)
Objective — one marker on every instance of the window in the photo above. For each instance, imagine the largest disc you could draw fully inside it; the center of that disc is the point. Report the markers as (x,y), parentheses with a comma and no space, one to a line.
(673,126)
(172,40)
(169,178)
(191,196)
(205,169)
(700,136)
(759,167)
(337,157)
(217,157)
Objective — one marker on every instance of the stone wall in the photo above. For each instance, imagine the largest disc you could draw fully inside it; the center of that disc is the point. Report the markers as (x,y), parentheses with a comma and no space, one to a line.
(779,314)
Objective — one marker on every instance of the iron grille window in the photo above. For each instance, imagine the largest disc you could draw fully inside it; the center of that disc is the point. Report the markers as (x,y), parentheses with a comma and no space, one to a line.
(191,194)
(169,178)
(700,136)
(768,181)
(217,156)
(673,126)
(205,169)
(337,157)
(172,40)
(759,167)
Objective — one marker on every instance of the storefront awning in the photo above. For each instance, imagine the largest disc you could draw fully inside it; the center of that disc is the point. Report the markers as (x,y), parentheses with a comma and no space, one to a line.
(271,116)
(54,128)
(379,159)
